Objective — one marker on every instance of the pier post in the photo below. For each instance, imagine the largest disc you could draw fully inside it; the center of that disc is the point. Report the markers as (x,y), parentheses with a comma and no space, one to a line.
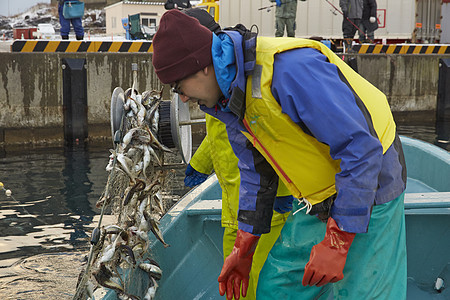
(443,105)
(74,100)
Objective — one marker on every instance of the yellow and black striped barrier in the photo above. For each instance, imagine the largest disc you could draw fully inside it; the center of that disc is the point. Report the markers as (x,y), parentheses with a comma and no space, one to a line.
(402,49)
(146,46)
(81,46)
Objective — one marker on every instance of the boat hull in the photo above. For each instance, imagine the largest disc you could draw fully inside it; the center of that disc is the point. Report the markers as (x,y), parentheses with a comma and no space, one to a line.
(193,262)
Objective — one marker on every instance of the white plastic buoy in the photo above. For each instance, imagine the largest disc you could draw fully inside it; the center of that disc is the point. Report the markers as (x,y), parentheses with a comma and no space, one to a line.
(439,285)
(8,193)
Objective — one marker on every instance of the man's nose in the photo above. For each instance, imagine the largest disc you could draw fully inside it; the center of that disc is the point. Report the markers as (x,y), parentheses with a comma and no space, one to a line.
(184,98)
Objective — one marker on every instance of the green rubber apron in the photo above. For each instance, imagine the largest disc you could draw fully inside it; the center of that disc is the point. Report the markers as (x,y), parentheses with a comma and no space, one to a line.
(375,267)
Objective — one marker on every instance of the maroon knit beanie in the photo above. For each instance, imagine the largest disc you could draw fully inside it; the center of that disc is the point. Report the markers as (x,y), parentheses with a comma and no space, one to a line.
(181,47)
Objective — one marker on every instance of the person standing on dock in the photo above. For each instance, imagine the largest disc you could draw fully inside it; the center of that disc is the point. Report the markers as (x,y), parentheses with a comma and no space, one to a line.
(295,111)
(215,154)
(65,24)
(285,14)
(352,11)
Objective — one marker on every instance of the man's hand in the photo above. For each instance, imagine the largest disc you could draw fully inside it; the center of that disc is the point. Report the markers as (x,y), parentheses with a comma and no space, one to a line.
(283,204)
(236,268)
(372,19)
(327,259)
(193,177)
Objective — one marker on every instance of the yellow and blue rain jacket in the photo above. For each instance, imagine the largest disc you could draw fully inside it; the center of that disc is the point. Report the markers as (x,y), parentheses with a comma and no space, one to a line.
(311,121)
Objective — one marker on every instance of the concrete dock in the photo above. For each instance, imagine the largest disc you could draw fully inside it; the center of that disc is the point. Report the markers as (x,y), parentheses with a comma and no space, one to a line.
(31,93)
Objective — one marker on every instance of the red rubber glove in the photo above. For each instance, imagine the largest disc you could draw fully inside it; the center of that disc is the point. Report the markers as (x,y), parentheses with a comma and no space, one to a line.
(327,259)
(237,265)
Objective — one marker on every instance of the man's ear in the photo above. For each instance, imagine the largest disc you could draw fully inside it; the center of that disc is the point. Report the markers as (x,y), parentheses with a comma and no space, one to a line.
(206,70)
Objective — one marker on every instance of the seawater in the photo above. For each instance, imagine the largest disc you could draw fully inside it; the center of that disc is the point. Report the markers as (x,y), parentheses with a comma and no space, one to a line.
(55,191)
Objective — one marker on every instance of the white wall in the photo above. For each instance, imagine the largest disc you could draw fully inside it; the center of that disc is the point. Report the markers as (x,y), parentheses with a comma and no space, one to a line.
(317,17)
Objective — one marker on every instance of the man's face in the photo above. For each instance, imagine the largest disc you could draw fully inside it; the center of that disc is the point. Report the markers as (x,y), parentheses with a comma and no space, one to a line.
(200,87)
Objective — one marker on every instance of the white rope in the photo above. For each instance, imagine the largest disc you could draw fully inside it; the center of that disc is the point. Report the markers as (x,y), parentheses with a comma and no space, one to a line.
(308,205)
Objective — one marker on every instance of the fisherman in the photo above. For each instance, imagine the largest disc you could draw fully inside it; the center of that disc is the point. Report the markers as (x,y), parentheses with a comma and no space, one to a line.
(215,153)
(65,24)
(352,11)
(295,111)
(285,14)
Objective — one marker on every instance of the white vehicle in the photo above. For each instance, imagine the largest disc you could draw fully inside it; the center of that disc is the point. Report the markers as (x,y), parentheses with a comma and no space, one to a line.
(45,31)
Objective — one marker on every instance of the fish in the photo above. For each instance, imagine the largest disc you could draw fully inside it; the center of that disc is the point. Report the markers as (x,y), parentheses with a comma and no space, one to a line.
(147,160)
(136,133)
(127,137)
(155,121)
(158,143)
(154,108)
(113,229)
(128,195)
(125,162)
(109,251)
(151,291)
(158,199)
(127,104)
(137,187)
(143,225)
(131,193)
(141,235)
(155,229)
(104,277)
(139,167)
(152,112)
(90,289)
(151,268)
(138,99)
(128,252)
(134,106)
(153,153)
(143,206)
(146,95)
(140,248)
(110,164)
(125,296)
(141,114)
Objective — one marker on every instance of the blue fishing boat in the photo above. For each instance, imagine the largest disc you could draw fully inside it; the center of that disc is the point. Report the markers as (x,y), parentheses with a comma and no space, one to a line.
(193,229)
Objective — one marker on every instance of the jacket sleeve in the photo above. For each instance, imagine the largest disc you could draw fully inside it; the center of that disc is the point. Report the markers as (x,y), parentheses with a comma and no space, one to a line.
(318,98)
(373,8)
(201,160)
(344,5)
(259,182)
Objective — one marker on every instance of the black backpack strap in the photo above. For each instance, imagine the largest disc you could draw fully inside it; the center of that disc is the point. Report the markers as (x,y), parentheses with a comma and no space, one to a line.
(248,44)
